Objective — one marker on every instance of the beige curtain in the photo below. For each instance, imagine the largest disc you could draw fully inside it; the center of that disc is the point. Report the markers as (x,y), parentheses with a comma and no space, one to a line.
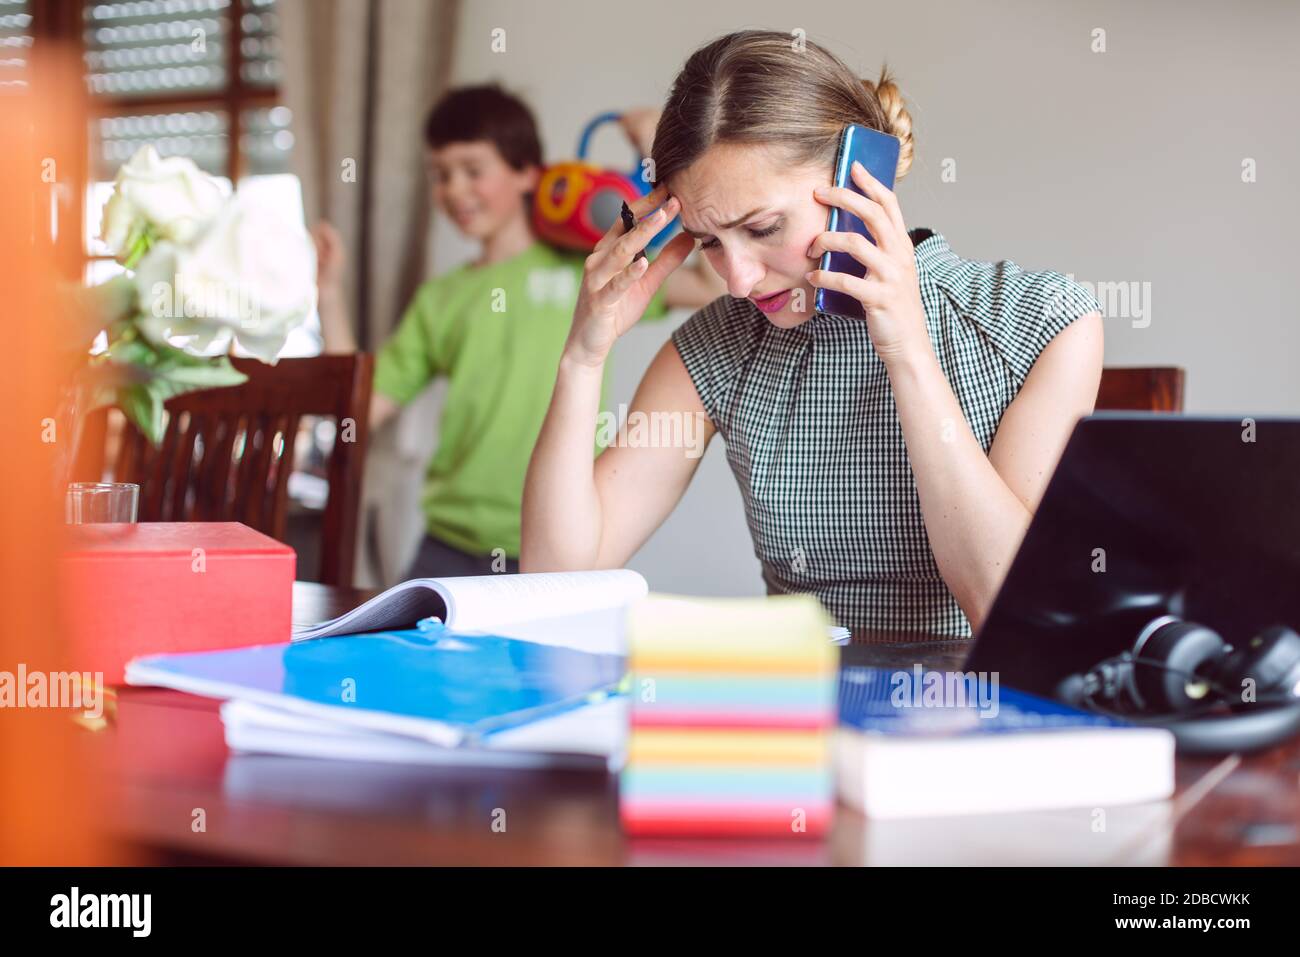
(360,76)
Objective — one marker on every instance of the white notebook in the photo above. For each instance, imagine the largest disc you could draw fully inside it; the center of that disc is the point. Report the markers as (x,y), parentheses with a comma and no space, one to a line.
(588,737)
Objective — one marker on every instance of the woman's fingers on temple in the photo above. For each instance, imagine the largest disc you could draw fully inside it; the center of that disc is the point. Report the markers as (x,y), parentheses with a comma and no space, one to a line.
(651,200)
(629,245)
(639,208)
(623,246)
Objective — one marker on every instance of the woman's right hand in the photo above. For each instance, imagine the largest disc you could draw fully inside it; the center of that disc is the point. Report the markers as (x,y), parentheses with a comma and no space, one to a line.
(617,289)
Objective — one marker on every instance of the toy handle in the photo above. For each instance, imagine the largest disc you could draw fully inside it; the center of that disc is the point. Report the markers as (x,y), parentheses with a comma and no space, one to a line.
(584,143)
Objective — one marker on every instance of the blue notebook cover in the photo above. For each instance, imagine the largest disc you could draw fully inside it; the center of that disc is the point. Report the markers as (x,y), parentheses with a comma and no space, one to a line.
(428,680)
(919,702)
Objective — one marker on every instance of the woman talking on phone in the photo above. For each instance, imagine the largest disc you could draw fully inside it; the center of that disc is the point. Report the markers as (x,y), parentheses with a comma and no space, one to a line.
(891,465)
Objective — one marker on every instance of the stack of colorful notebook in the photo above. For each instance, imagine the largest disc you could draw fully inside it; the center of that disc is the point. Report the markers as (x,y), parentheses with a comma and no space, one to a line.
(733,704)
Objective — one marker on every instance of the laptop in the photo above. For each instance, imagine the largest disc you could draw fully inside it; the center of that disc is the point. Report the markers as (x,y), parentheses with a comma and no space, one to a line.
(1150,514)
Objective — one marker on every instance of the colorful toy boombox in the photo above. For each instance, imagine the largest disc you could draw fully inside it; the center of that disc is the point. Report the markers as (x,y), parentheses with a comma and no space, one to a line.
(576,203)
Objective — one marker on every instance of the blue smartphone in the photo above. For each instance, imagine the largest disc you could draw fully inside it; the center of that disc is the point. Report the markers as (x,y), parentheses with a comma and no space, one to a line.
(878,152)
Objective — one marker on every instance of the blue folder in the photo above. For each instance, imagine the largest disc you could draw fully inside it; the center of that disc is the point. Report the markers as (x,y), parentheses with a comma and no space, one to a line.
(456,687)
(887,701)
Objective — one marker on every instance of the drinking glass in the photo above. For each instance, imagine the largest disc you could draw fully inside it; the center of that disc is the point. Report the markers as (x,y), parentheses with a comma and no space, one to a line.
(92,503)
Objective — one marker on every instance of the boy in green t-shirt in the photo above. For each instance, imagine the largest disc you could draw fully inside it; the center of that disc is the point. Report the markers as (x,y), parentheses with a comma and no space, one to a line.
(494,327)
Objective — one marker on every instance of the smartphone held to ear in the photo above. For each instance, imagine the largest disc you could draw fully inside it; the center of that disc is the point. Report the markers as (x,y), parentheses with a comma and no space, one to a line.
(878,152)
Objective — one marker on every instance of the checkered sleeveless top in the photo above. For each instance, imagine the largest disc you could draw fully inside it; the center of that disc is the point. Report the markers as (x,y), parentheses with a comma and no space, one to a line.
(813,438)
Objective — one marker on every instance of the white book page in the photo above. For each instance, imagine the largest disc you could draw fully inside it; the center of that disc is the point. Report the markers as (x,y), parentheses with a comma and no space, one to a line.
(487,602)
(601,631)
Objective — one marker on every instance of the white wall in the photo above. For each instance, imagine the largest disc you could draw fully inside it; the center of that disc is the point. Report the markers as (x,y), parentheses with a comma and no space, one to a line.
(1118,167)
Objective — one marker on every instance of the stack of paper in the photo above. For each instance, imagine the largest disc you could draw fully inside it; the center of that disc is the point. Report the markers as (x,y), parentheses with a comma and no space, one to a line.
(732,707)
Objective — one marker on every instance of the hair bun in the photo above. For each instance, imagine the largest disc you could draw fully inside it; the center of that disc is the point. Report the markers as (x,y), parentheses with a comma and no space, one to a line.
(897,120)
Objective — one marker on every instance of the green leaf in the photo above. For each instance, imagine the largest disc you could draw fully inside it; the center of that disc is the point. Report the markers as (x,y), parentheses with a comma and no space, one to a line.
(134,351)
(146,375)
(144,408)
(210,373)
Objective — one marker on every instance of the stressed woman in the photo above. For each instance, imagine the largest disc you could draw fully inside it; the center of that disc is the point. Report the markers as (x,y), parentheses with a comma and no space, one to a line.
(889,466)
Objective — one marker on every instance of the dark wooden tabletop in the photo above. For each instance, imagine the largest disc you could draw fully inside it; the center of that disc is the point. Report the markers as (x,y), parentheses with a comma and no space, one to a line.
(177,795)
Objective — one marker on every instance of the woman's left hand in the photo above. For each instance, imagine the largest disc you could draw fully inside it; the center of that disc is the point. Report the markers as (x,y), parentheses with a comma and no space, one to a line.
(889,293)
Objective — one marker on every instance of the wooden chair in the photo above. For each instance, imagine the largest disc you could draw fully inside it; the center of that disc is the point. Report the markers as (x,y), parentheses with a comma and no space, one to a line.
(227,453)
(1146,389)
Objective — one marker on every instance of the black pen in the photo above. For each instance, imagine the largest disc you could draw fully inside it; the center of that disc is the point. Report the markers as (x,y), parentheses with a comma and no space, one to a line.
(629,223)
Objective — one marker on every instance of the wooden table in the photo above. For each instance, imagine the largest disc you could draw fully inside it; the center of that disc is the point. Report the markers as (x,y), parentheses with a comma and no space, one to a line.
(177,796)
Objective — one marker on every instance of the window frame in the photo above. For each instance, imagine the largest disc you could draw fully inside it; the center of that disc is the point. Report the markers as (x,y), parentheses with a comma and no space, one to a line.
(63,21)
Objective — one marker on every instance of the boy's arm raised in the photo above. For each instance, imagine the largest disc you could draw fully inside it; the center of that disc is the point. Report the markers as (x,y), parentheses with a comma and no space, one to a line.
(331,303)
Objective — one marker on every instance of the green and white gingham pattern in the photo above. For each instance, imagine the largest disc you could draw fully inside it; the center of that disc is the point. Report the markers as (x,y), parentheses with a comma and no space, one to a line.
(813,437)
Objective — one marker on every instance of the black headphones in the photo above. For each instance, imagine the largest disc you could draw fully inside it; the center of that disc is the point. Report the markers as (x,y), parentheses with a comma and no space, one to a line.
(1216,699)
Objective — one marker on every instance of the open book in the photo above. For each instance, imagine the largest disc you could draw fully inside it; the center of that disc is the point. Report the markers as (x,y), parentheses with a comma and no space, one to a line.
(582,610)
(507,665)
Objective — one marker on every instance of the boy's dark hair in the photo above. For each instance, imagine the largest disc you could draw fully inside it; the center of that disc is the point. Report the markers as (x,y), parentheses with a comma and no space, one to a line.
(486,113)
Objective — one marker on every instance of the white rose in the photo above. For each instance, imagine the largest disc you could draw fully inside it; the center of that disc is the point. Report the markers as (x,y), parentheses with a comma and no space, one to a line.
(171,195)
(251,276)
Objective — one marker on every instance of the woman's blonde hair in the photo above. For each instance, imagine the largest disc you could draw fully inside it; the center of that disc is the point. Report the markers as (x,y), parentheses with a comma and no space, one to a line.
(770,88)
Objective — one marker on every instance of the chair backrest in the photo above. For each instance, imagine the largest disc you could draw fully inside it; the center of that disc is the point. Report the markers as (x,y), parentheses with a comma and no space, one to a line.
(227,453)
(1145,389)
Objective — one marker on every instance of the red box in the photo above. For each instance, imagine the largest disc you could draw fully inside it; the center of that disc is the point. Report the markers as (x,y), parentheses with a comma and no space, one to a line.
(154,587)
